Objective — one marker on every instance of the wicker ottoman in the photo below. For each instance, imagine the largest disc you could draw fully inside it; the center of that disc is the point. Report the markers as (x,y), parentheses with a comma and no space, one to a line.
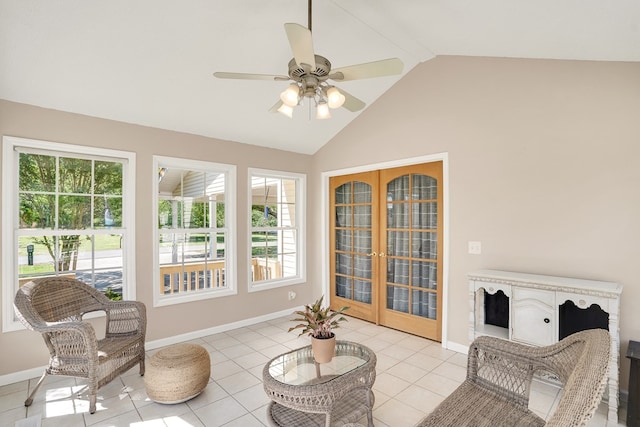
(177,373)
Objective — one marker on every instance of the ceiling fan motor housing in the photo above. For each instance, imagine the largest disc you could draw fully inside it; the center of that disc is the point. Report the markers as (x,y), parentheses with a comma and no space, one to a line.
(310,78)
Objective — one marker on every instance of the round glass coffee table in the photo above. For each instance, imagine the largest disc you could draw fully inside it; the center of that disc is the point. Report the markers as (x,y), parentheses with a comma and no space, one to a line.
(306,393)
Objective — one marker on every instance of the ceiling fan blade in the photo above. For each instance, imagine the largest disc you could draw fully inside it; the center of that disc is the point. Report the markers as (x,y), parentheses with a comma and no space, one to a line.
(301,44)
(351,103)
(245,76)
(277,105)
(385,67)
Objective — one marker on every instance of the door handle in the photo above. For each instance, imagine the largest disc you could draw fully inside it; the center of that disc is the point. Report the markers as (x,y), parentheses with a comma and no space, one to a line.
(382,254)
(372,254)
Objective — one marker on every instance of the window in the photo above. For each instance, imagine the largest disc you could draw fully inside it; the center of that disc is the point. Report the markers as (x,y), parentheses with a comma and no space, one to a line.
(195,233)
(70,214)
(277,228)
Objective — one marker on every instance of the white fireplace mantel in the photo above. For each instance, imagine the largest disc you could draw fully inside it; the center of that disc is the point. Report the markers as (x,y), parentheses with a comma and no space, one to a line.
(534,305)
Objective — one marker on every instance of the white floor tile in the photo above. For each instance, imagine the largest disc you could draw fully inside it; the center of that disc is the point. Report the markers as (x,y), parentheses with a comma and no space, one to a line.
(211,393)
(397,414)
(252,398)
(451,371)
(274,350)
(390,384)
(247,420)
(397,352)
(238,382)
(221,412)
(236,351)
(251,360)
(419,398)
(261,415)
(12,401)
(438,352)
(225,369)
(185,420)
(158,410)
(19,387)
(438,384)
(424,361)
(407,371)
(123,419)
(105,409)
(12,415)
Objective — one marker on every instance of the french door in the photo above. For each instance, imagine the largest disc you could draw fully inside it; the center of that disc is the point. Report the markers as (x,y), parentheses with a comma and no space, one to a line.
(386,247)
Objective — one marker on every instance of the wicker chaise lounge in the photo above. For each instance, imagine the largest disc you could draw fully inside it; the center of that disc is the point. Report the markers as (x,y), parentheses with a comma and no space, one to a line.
(499,375)
(55,306)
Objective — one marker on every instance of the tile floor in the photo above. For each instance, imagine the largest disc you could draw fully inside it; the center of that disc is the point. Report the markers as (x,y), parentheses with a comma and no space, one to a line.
(413,376)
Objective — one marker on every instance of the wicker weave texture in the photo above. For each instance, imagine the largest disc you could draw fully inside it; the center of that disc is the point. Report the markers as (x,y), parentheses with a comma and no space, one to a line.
(54,306)
(177,373)
(499,376)
(341,401)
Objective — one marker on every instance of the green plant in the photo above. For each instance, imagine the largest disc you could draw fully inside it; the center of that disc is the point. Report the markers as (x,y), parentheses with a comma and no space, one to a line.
(318,321)
(112,295)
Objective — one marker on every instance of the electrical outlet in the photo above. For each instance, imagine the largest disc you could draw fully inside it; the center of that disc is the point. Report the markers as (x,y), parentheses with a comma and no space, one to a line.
(291,295)
(475,247)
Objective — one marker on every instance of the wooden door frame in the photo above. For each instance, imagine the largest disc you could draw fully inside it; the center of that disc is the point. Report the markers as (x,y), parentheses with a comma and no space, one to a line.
(325,270)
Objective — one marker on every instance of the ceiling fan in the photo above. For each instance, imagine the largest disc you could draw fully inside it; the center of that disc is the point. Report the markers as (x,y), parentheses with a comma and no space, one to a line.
(309,74)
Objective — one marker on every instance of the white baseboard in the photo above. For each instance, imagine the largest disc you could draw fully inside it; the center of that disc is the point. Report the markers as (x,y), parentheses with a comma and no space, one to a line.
(152,345)
(460,348)
(16,377)
(27,374)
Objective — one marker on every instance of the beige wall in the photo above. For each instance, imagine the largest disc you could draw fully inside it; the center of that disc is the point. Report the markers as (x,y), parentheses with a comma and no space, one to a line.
(23,350)
(543,170)
(543,162)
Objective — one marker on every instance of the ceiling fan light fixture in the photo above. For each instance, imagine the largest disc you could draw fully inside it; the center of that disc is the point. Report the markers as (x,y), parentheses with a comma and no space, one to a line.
(335,99)
(290,95)
(322,110)
(286,110)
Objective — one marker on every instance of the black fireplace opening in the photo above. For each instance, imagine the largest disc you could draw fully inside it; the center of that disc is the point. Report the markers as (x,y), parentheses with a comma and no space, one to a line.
(574,319)
(496,309)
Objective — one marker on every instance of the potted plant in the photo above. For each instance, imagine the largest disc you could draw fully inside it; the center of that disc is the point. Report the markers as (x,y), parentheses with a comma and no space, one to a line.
(318,322)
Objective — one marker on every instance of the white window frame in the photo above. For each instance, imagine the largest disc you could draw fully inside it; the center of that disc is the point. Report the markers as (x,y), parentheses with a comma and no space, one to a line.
(10,216)
(301,215)
(230,224)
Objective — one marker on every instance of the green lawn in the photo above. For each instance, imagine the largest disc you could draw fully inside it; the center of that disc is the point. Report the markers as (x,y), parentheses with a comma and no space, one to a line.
(102,242)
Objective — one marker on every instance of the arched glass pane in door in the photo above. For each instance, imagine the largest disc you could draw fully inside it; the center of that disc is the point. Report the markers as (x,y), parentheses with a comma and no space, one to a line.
(412,245)
(353,236)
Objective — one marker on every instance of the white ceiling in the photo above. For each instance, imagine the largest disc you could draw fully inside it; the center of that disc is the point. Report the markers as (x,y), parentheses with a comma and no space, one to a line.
(150,62)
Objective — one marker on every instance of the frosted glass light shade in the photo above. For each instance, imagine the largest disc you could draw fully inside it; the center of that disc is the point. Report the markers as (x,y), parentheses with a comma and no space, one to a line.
(290,95)
(335,98)
(322,111)
(286,110)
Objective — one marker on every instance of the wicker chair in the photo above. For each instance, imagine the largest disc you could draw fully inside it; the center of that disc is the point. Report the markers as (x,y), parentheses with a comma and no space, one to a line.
(499,375)
(55,307)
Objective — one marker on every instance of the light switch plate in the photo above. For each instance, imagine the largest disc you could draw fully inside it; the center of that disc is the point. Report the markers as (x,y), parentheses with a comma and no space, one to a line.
(475,247)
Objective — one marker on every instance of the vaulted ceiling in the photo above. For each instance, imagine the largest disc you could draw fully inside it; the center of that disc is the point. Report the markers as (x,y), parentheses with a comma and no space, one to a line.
(150,62)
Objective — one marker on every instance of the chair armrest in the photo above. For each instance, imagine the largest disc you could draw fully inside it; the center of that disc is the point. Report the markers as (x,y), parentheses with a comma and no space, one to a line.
(70,338)
(503,367)
(125,318)
(582,393)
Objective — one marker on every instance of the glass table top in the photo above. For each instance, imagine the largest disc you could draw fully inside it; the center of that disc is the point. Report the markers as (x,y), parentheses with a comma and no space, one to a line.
(298,367)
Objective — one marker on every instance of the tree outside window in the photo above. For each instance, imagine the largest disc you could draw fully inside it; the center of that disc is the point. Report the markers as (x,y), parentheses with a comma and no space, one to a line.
(63,200)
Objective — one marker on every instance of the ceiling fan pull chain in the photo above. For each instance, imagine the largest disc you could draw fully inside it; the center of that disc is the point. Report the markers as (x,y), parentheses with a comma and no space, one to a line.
(309,14)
